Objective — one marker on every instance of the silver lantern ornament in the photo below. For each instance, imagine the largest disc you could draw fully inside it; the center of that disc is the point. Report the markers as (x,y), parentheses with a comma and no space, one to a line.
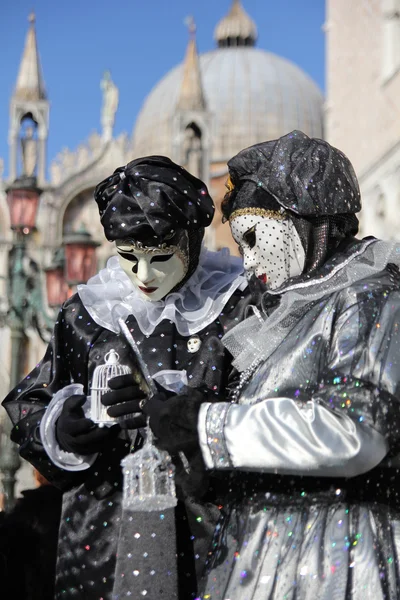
(101,376)
(149,478)
(148,473)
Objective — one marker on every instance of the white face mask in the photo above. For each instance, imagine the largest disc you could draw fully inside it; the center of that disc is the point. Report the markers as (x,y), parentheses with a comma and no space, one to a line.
(271,248)
(154,272)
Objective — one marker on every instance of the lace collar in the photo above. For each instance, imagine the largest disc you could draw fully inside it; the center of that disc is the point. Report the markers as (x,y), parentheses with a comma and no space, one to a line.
(110,295)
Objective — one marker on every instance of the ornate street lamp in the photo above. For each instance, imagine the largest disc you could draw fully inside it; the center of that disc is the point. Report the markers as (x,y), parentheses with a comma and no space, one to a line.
(57,288)
(74,263)
(80,256)
(23,200)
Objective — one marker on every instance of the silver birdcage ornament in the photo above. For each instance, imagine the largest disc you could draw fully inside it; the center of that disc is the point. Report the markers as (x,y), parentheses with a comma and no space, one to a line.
(101,376)
(149,479)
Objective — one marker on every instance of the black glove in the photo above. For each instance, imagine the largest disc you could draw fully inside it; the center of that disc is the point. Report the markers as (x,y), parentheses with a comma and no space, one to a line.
(75,433)
(173,420)
(123,402)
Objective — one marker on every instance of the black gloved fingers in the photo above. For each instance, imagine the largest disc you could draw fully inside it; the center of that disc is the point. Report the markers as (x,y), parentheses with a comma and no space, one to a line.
(74,404)
(126,408)
(121,381)
(133,422)
(153,409)
(76,426)
(98,435)
(122,395)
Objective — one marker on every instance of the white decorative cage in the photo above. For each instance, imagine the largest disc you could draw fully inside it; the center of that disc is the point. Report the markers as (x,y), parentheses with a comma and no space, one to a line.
(101,376)
(149,479)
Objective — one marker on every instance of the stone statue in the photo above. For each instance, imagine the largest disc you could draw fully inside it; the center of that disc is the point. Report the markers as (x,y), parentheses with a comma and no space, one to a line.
(110,104)
(29,152)
(192,149)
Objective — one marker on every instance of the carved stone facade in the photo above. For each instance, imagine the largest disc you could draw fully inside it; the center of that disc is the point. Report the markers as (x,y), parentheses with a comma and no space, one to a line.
(362,109)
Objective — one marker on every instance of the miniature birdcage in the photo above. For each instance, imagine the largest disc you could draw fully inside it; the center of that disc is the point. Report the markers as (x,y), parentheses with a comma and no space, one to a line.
(102,374)
(149,479)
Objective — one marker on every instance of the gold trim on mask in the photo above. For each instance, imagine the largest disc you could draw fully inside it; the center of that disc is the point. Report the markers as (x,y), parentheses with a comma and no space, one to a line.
(259,212)
(229,184)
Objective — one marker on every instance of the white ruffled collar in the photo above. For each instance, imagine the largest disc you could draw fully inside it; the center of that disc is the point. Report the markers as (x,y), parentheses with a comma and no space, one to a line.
(110,295)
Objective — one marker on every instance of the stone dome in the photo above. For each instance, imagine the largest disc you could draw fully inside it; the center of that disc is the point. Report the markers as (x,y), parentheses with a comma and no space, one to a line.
(236,28)
(244,95)
(252,96)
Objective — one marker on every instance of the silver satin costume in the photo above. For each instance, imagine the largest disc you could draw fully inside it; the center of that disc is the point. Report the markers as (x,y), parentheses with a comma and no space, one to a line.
(311,443)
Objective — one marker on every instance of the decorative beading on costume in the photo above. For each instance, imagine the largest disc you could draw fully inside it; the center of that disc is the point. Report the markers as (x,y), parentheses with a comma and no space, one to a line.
(215,424)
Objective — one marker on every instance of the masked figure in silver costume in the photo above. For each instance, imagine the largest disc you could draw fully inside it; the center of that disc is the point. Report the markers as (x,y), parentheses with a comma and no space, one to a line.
(314,435)
(311,432)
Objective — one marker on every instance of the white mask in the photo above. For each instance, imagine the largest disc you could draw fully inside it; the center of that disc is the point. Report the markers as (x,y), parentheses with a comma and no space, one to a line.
(153,271)
(271,248)
(193,344)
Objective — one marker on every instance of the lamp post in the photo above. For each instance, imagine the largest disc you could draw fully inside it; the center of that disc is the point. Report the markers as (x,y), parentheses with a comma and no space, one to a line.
(72,264)
(57,287)
(23,199)
(80,256)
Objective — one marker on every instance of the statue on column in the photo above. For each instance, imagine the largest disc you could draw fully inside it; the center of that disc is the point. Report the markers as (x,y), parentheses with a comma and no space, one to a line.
(192,149)
(110,105)
(29,151)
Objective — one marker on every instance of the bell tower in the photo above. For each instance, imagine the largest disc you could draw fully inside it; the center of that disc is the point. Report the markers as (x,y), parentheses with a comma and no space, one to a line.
(192,121)
(29,116)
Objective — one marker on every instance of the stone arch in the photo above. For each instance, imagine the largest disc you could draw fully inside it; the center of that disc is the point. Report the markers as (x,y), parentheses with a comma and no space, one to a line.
(81,210)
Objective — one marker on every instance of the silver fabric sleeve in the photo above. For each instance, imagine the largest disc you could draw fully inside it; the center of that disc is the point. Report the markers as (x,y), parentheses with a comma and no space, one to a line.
(279,436)
(65,460)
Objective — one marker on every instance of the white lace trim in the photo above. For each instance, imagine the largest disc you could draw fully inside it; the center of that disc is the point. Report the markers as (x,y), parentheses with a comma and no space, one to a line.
(110,295)
(250,342)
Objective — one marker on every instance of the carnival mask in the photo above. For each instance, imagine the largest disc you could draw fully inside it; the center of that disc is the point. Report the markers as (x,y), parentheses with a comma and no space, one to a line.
(153,270)
(270,245)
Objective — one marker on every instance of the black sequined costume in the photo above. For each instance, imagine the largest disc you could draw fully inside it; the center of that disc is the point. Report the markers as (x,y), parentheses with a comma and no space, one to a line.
(91,507)
(140,195)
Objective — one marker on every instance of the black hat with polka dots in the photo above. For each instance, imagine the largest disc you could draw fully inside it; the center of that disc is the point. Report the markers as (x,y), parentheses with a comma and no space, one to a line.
(310,180)
(150,199)
(306,176)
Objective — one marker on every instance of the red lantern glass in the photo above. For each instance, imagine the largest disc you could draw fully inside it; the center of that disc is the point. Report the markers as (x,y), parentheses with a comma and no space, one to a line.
(23,204)
(57,288)
(80,257)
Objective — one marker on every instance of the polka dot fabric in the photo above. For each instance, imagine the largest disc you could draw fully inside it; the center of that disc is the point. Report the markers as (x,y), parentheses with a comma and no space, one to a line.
(150,198)
(305,175)
(271,248)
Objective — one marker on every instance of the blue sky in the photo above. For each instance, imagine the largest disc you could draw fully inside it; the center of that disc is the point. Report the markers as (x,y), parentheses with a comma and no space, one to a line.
(138,41)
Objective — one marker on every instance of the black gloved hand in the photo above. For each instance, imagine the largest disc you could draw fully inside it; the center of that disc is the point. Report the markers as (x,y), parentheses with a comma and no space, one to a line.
(123,402)
(75,433)
(173,420)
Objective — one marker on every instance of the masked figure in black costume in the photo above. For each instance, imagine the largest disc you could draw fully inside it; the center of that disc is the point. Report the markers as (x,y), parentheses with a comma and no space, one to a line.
(312,432)
(177,300)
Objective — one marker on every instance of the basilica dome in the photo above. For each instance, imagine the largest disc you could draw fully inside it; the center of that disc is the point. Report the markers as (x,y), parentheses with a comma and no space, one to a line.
(251,96)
